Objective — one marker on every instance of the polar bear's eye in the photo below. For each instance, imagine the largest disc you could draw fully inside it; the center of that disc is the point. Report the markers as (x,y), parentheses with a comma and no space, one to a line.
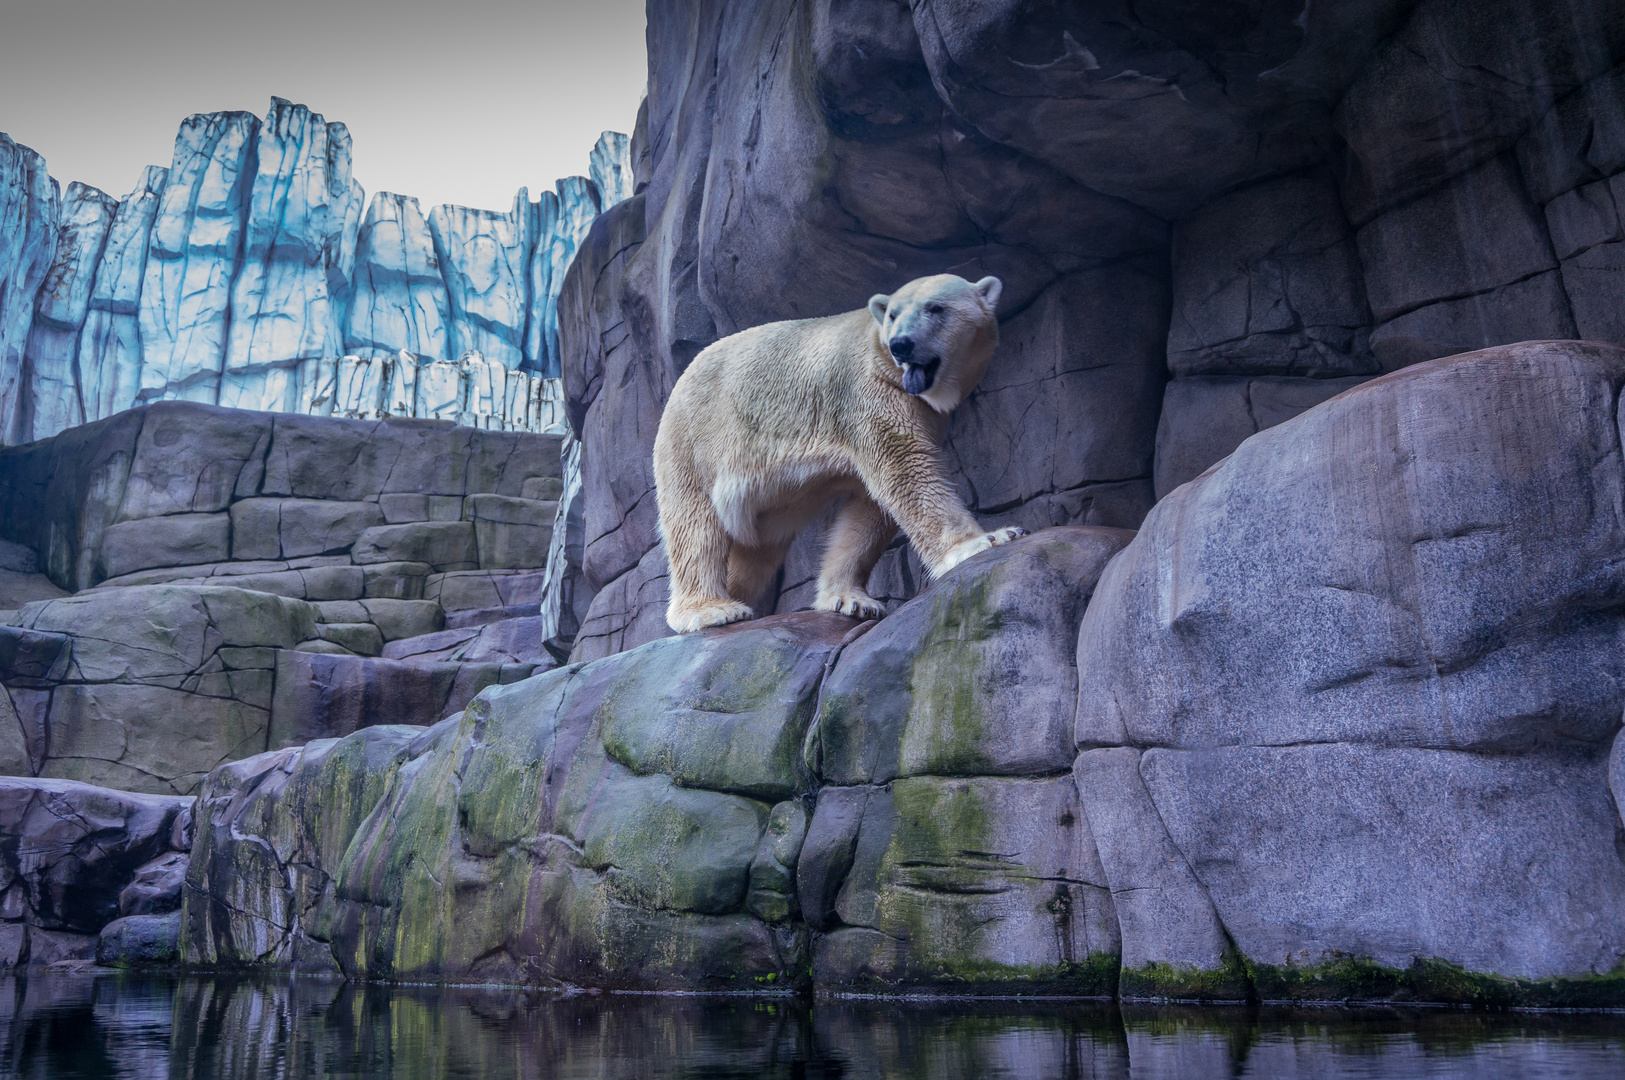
(933,309)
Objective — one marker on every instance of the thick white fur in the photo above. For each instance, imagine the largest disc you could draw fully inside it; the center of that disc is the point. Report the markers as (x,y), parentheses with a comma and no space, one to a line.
(769,426)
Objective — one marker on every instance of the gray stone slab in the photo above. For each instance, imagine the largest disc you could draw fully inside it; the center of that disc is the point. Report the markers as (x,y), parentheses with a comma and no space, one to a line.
(444,545)
(1535,309)
(1595,283)
(397,619)
(1478,232)
(177,540)
(1490,862)
(1267,281)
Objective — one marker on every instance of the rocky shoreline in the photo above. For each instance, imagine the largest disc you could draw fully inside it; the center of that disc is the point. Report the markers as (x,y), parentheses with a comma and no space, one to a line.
(1093,762)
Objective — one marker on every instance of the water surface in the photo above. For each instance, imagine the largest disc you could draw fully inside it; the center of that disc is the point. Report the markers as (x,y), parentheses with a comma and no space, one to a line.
(70,1026)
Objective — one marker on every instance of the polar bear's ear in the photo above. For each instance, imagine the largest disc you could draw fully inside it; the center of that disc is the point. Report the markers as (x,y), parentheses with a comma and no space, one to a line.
(877,308)
(988,289)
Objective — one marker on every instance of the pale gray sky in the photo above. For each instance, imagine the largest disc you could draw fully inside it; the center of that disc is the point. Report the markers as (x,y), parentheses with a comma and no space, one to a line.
(457,101)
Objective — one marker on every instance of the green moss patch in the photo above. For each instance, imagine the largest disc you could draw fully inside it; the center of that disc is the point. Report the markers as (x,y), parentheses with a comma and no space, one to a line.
(1180,983)
(1433,981)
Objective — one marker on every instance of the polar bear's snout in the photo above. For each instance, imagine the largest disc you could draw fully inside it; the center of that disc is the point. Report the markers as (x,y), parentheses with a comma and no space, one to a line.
(919,372)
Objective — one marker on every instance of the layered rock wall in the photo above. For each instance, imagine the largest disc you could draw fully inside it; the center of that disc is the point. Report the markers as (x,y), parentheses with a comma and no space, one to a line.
(252,274)
(235,591)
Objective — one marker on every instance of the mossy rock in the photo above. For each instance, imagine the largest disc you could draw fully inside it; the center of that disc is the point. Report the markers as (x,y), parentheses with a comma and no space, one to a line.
(726,710)
(271,831)
(665,847)
(970,884)
(976,676)
(1431,981)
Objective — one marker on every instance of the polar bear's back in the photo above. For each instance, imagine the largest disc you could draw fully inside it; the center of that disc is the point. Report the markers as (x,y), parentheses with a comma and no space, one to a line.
(779,381)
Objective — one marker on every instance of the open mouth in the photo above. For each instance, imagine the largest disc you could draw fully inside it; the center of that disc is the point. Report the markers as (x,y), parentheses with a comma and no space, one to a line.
(917,378)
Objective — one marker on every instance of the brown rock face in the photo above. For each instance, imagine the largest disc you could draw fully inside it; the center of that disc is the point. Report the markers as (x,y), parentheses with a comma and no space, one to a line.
(1222,194)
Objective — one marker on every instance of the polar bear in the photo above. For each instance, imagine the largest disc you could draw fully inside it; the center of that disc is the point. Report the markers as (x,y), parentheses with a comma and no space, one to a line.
(767,427)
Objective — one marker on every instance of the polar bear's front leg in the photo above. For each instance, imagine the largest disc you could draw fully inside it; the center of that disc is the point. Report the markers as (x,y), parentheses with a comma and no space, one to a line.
(860,535)
(909,484)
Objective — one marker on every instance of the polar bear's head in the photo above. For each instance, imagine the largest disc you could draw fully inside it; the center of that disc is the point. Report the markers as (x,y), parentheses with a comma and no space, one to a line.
(940,331)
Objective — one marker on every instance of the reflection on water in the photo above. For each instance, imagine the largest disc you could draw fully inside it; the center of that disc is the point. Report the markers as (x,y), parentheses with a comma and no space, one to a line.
(63,1026)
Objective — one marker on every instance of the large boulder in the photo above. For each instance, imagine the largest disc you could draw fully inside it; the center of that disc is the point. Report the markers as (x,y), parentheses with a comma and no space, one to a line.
(68,851)
(269,832)
(602,823)
(949,849)
(598,824)
(152,686)
(716,809)
(1359,685)
(976,678)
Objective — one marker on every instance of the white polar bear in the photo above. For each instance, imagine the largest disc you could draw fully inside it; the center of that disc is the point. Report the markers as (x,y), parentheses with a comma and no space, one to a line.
(768,426)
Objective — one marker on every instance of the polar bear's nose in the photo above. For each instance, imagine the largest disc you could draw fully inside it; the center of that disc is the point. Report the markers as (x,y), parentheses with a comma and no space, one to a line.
(902,347)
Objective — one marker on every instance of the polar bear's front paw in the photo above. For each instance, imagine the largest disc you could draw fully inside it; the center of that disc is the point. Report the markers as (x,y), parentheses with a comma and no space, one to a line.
(859,605)
(978,544)
(1004,536)
(686,620)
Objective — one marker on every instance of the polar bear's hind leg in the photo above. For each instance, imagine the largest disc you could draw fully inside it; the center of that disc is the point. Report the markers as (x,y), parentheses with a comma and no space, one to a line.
(697,548)
(752,569)
(858,539)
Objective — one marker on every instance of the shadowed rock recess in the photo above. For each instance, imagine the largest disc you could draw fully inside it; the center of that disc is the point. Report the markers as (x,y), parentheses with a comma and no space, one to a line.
(1307,685)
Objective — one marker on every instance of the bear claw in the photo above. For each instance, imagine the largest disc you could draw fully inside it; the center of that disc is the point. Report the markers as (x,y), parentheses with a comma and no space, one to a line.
(858,607)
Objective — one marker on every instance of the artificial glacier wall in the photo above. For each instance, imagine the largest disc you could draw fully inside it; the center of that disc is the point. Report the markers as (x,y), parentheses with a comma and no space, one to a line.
(253,273)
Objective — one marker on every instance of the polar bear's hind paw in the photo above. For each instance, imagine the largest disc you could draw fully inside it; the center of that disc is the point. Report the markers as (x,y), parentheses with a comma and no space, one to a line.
(721,613)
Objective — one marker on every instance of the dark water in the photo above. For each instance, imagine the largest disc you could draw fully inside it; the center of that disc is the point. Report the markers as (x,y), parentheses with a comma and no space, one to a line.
(66,1026)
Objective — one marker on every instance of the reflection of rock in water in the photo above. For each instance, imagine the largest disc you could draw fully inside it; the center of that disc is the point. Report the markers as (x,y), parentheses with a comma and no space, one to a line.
(58,1026)
(64,1025)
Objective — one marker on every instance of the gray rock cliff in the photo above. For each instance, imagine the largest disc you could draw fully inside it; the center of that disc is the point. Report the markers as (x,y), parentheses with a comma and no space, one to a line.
(1336,722)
